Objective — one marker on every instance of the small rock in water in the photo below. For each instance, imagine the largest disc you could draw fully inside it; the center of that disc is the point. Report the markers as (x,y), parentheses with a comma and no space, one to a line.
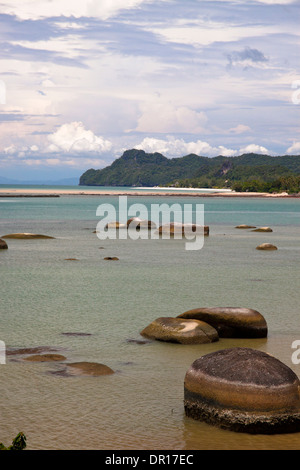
(26,236)
(244,226)
(45,358)
(263,229)
(3,245)
(267,247)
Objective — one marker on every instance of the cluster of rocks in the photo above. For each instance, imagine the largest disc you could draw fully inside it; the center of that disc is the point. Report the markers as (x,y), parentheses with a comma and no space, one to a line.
(239,389)
(263,246)
(50,355)
(208,324)
(172,228)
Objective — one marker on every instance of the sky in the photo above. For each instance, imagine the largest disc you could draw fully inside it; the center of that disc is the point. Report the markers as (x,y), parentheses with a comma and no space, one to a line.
(83,80)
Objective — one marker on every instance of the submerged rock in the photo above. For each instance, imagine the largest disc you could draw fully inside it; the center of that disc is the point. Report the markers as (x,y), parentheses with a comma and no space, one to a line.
(111,258)
(243,390)
(138,341)
(266,246)
(45,358)
(26,236)
(231,322)
(89,368)
(76,334)
(32,350)
(3,245)
(177,330)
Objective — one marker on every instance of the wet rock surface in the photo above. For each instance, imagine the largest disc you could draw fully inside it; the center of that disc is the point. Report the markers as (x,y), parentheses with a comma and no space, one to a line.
(181,331)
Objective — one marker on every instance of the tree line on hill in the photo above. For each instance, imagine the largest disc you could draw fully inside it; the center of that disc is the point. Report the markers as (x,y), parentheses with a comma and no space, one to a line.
(247,172)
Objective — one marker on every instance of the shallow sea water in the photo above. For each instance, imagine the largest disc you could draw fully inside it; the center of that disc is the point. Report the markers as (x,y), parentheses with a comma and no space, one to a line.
(141,405)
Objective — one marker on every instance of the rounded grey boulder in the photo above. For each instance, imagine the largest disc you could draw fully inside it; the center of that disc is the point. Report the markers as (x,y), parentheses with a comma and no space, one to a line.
(243,390)
(231,322)
(176,330)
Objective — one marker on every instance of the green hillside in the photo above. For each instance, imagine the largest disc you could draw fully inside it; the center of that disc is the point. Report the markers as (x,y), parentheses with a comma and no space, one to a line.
(138,168)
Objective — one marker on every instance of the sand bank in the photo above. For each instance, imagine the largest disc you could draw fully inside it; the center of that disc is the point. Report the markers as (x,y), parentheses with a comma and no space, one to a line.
(4,192)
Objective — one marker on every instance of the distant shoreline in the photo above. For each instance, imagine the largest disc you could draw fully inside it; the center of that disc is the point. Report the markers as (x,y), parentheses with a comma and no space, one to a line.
(164,192)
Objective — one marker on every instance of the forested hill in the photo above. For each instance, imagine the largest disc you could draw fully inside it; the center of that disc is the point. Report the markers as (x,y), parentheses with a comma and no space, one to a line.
(138,168)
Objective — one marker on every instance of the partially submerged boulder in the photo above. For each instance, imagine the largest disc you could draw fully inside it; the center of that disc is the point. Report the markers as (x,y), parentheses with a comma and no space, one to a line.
(3,245)
(114,225)
(267,247)
(111,258)
(243,390)
(26,236)
(137,224)
(174,228)
(263,229)
(231,322)
(181,331)
(245,226)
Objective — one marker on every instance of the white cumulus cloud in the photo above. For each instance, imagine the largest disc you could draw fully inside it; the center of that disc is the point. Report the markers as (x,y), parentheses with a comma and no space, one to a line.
(253,148)
(178,147)
(294,149)
(74,138)
(240,129)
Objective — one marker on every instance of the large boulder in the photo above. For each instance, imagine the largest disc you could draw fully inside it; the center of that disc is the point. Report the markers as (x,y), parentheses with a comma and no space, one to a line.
(3,245)
(26,236)
(244,390)
(181,331)
(231,322)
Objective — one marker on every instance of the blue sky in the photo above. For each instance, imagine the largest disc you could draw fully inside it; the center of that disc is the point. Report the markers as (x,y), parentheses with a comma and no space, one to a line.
(83,80)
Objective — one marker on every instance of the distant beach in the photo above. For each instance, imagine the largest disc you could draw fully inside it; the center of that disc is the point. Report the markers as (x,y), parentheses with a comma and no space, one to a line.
(166,192)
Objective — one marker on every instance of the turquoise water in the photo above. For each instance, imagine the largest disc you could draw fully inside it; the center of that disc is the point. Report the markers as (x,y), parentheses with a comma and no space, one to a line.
(141,405)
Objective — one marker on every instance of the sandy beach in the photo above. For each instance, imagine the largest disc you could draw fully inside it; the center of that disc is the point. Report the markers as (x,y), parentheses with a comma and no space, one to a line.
(189,192)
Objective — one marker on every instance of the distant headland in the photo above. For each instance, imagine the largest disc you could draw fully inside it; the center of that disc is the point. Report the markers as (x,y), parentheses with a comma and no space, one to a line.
(254,173)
